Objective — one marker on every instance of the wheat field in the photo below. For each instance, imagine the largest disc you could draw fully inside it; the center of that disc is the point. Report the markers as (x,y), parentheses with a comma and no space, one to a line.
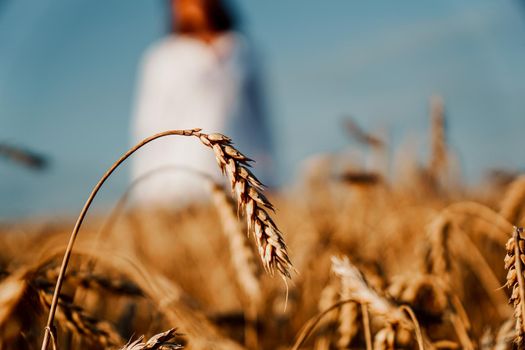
(396,256)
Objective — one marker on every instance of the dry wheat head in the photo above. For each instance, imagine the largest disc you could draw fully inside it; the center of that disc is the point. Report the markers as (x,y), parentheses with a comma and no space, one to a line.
(247,190)
(514,261)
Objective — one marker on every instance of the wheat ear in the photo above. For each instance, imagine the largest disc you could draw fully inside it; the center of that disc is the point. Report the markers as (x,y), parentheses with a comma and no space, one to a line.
(161,341)
(359,290)
(439,155)
(514,264)
(248,191)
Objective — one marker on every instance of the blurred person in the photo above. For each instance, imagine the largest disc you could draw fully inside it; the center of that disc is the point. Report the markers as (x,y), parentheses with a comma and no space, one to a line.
(203,74)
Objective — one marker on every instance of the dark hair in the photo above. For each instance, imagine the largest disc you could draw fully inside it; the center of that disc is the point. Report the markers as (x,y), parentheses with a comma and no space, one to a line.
(220,13)
(222,18)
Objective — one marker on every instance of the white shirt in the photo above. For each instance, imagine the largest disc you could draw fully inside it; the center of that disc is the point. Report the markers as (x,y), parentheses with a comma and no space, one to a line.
(185,84)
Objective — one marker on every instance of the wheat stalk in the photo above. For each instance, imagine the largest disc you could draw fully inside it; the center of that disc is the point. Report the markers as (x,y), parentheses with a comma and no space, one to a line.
(314,321)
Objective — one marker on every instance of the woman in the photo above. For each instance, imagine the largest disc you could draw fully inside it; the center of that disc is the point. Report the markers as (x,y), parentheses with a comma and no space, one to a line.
(201,75)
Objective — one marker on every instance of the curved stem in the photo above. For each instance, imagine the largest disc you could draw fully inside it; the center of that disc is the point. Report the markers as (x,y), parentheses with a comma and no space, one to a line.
(310,325)
(417,328)
(74,233)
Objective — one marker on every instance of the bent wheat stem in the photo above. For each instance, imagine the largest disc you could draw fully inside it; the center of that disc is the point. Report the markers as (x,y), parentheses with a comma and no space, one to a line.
(80,219)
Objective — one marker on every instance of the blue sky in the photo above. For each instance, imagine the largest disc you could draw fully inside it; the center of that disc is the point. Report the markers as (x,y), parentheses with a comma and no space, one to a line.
(67,77)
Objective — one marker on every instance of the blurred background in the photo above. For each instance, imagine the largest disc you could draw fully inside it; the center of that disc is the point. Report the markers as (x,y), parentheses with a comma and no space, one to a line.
(68,75)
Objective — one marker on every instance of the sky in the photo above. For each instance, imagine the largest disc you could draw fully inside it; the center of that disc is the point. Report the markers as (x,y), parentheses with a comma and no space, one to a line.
(68,73)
